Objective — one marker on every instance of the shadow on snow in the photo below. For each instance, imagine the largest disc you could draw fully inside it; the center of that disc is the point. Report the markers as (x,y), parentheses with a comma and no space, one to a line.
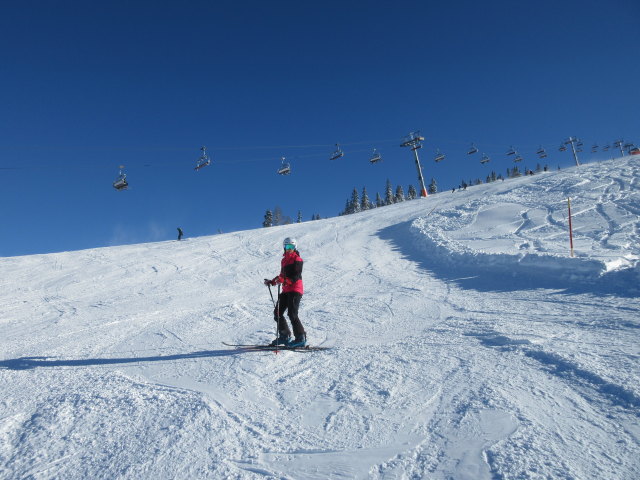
(28,363)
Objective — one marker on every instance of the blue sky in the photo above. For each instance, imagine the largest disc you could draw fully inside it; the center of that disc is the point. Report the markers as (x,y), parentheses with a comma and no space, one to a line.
(87,86)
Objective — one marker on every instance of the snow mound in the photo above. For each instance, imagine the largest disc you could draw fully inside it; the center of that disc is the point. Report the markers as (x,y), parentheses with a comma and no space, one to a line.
(525,230)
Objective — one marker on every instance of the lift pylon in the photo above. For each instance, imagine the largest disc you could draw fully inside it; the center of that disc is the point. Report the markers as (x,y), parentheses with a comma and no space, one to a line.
(413,141)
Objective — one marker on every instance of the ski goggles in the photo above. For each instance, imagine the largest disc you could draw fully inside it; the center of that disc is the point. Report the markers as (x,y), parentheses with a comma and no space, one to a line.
(289,246)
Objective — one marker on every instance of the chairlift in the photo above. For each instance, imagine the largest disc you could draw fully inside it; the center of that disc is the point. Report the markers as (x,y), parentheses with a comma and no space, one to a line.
(439,156)
(594,148)
(606,147)
(204,159)
(285,168)
(376,157)
(563,147)
(518,158)
(121,181)
(472,150)
(579,144)
(337,154)
(511,151)
(541,152)
(485,158)
(628,146)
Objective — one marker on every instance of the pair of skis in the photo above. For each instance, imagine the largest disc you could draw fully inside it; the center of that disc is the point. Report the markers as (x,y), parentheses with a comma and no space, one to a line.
(271,348)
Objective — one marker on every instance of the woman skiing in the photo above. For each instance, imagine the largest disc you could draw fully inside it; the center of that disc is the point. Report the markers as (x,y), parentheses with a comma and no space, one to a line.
(289,300)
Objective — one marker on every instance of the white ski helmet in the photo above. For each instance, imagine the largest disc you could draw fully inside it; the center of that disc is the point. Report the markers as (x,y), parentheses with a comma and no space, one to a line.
(290,241)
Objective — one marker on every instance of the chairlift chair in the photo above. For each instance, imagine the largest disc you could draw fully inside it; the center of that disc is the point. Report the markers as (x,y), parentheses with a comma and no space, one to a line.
(606,147)
(121,181)
(439,156)
(518,158)
(337,154)
(472,150)
(594,148)
(204,159)
(485,158)
(285,168)
(511,151)
(376,157)
(563,148)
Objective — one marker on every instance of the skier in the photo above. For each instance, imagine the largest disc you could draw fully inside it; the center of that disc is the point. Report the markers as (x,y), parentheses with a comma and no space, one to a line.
(179,234)
(289,300)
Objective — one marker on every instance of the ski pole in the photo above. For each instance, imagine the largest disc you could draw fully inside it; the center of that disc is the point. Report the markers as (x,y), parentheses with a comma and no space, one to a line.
(276,307)
(278,320)
(272,300)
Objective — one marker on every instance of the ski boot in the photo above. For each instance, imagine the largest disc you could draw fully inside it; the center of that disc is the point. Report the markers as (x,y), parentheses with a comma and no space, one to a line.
(283,339)
(298,342)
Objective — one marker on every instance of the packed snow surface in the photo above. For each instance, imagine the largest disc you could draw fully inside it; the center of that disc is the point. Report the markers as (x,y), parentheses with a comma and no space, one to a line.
(467,344)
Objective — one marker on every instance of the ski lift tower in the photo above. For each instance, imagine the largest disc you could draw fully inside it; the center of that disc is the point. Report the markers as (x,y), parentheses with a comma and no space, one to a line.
(618,143)
(413,140)
(573,141)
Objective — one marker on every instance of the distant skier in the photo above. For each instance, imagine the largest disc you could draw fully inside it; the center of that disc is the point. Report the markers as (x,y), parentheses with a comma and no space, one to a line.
(179,234)
(289,300)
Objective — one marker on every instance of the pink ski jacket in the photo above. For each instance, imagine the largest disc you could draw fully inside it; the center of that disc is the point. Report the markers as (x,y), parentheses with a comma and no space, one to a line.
(291,273)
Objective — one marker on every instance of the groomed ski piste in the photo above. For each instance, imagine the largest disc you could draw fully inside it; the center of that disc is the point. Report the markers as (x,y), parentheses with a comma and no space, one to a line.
(467,344)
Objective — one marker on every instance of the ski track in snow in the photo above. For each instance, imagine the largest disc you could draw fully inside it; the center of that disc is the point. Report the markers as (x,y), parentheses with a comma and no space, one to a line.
(467,345)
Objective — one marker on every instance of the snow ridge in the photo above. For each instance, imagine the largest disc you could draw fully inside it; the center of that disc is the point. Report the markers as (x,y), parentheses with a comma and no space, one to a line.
(516,233)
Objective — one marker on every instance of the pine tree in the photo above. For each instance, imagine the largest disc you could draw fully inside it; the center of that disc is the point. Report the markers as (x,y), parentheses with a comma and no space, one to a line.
(412,194)
(347,208)
(379,202)
(399,194)
(365,203)
(388,197)
(268,219)
(355,201)
(299,220)
(433,186)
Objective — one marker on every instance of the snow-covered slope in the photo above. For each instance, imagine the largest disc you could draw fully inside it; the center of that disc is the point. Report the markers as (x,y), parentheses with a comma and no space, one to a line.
(468,344)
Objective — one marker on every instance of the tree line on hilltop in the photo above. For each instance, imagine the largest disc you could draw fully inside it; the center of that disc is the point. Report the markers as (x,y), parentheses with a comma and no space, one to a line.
(359,202)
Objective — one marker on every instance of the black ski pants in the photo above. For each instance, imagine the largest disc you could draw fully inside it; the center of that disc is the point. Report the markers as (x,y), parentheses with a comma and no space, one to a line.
(288,302)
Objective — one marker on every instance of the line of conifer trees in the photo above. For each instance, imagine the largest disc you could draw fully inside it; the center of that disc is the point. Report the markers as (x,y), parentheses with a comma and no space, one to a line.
(361,202)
